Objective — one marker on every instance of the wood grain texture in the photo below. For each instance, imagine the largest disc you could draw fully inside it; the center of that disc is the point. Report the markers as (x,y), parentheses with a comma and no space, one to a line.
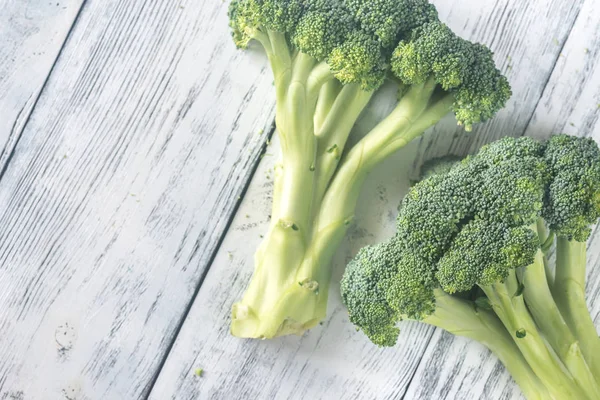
(334,361)
(459,369)
(32,33)
(455,368)
(118,192)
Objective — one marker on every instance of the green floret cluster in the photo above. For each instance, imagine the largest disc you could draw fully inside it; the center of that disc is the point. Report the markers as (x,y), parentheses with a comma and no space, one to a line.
(328,58)
(363,41)
(573,198)
(468,256)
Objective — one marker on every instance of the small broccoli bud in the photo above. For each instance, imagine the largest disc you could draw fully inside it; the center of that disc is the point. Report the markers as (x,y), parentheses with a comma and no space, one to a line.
(409,291)
(389,19)
(521,333)
(432,49)
(281,15)
(482,253)
(244,19)
(483,92)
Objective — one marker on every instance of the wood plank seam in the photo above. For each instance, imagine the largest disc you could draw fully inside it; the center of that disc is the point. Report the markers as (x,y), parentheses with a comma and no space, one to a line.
(10,147)
(414,373)
(217,248)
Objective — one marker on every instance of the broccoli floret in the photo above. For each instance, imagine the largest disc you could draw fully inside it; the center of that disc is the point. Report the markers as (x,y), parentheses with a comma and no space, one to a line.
(472,230)
(437,166)
(573,196)
(361,289)
(483,253)
(328,59)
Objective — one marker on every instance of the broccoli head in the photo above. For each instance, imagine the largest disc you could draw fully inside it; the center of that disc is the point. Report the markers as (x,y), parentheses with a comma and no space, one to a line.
(572,201)
(363,41)
(328,58)
(472,223)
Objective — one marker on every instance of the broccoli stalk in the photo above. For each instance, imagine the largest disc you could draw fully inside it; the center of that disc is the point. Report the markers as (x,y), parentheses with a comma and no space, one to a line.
(569,292)
(474,233)
(513,312)
(547,316)
(328,59)
(463,318)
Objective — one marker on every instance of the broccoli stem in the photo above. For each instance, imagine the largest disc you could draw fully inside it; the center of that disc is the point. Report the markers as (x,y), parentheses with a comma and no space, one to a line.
(278,52)
(319,76)
(339,200)
(547,238)
(512,311)
(569,293)
(460,317)
(547,316)
(276,303)
(431,116)
(327,97)
(334,132)
(313,206)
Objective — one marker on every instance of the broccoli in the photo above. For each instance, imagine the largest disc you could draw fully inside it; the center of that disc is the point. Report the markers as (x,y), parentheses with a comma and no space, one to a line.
(328,58)
(438,166)
(468,257)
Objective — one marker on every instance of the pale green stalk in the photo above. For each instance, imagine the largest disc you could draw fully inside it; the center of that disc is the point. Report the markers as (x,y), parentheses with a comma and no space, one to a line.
(289,288)
(461,318)
(327,97)
(333,134)
(278,257)
(569,293)
(546,240)
(512,311)
(547,316)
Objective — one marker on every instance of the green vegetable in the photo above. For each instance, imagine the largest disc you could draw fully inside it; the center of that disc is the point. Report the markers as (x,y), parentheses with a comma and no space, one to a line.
(467,258)
(328,58)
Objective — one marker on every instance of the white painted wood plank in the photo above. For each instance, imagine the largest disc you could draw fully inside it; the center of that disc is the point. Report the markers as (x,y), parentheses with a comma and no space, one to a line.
(570,104)
(335,361)
(32,33)
(118,192)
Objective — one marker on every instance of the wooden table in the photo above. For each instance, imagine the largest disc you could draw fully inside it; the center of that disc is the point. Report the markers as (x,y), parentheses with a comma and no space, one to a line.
(132,196)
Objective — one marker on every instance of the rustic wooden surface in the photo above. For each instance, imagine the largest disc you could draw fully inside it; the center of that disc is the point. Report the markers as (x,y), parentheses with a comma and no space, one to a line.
(32,34)
(129,132)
